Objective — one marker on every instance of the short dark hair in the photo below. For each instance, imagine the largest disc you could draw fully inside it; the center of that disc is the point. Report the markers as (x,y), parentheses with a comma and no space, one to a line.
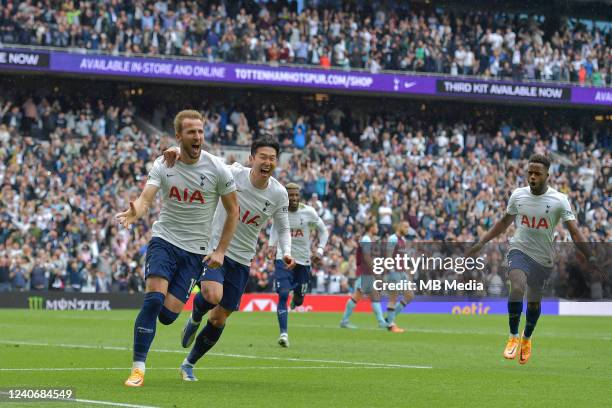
(265,141)
(540,158)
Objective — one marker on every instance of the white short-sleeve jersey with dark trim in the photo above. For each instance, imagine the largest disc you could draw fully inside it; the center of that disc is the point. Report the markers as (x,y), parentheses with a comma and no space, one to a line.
(536,219)
(190,194)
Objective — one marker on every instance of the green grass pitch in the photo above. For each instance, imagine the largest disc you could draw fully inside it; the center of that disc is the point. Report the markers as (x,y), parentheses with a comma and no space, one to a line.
(325,367)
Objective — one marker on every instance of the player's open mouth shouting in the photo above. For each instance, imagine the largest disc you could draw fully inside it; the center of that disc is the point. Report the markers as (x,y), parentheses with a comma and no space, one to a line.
(265,171)
(195,149)
(263,163)
(191,138)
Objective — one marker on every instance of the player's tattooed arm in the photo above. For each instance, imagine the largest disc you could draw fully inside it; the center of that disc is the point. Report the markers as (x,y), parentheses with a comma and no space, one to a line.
(498,229)
(139,207)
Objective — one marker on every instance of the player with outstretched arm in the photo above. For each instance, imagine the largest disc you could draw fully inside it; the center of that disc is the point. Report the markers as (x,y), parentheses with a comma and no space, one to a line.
(537,209)
(260,197)
(190,194)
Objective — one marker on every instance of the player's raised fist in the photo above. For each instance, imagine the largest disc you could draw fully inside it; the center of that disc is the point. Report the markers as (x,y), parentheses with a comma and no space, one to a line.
(289,261)
(128,217)
(171,156)
(316,257)
(214,260)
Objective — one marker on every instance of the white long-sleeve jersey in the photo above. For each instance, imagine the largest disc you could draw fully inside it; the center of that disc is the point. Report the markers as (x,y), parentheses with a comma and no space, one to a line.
(301,221)
(257,206)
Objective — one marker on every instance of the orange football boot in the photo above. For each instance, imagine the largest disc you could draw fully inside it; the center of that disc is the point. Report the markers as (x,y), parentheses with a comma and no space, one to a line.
(136,379)
(512,348)
(525,352)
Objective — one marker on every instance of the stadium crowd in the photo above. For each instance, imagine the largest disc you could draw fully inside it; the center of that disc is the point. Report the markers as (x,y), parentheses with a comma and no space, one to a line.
(380,35)
(61,188)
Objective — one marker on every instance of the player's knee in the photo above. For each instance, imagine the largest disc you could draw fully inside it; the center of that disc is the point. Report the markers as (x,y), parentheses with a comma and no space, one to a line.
(408,296)
(518,282)
(153,301)
(166,316)
(212,296)
(157,284)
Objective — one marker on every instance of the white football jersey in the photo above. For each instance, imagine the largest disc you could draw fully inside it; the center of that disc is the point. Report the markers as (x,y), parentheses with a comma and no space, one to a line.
(190,193)
(256,208)
(536,219)
(301,223)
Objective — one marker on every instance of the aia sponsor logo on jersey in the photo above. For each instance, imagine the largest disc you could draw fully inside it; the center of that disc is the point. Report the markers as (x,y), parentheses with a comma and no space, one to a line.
(186,195)
(248,217)
(296,232)
(534,223)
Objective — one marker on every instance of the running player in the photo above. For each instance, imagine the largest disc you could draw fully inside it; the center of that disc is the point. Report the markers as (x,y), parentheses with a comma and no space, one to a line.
(537,210)
(397,245)
(190,194)
(302,218)
(260,197)
(365,281)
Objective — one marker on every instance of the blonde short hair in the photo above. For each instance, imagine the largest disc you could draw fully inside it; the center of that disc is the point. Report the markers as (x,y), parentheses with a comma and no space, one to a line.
(292,186)
(185,114)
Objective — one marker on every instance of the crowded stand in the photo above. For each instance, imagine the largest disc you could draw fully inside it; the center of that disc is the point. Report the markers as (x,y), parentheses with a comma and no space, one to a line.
(68,165)
(375,36)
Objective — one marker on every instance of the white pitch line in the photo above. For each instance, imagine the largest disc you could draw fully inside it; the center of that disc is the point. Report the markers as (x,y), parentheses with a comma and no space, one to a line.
(86,401)
(549,334)
(113,404)
(199,368)
(302,360)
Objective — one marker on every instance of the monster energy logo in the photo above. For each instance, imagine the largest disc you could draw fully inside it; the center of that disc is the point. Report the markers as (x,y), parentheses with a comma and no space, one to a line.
(36,302)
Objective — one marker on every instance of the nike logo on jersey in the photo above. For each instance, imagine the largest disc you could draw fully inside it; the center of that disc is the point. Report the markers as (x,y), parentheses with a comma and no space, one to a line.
(169,175)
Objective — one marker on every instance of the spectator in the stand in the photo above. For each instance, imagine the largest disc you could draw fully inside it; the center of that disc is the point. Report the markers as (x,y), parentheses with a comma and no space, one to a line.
(5,275)
(39,277)
(19,274)
(447,40)
(445,179)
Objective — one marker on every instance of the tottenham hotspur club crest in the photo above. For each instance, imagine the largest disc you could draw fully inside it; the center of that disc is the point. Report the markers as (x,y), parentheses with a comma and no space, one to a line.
(265,209)
(202,179)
